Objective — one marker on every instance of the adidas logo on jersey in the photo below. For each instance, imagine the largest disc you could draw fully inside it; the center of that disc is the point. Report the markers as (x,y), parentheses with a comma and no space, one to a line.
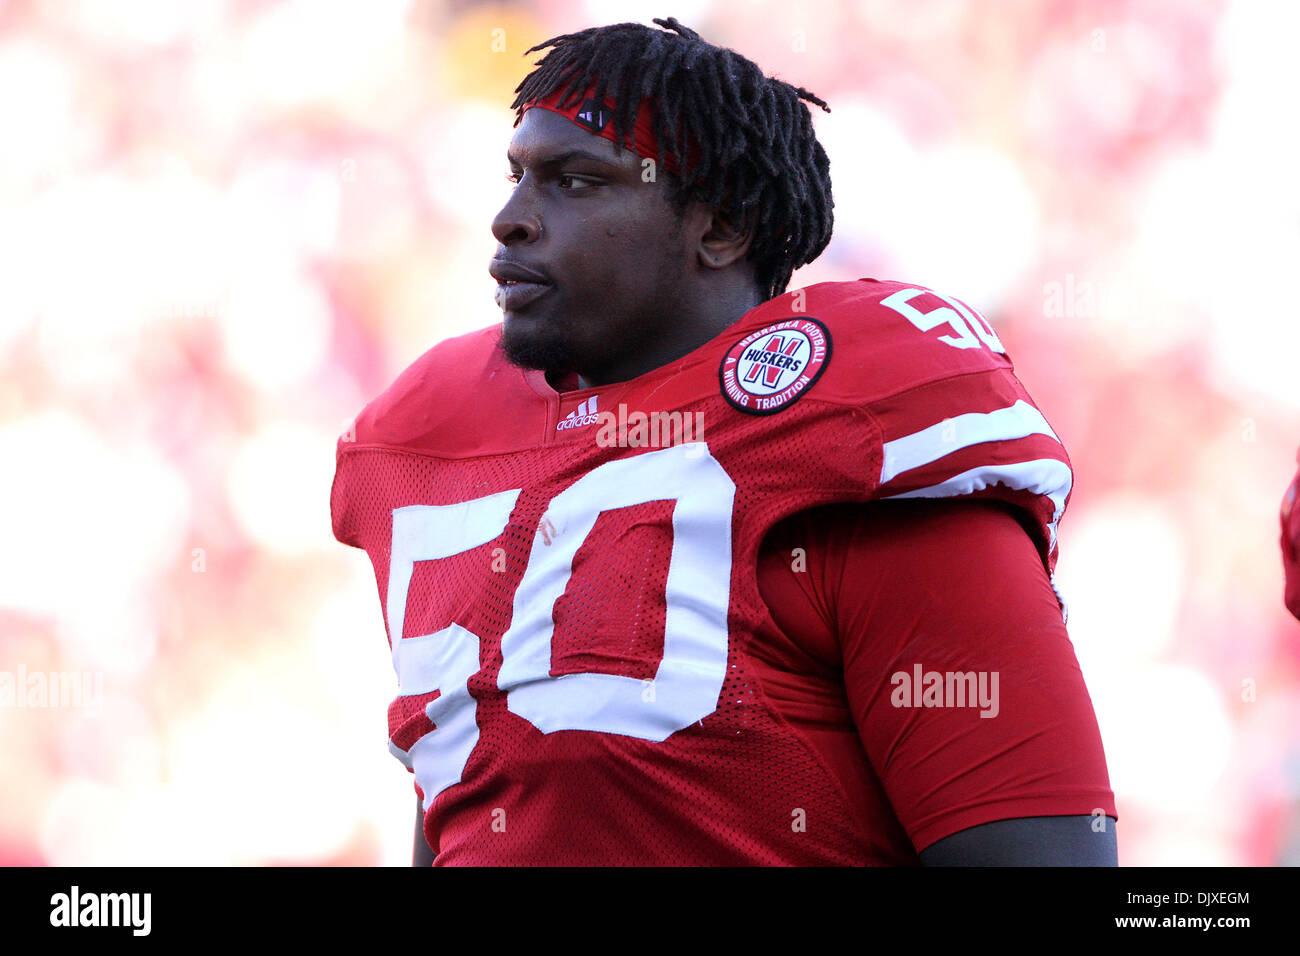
(584,414)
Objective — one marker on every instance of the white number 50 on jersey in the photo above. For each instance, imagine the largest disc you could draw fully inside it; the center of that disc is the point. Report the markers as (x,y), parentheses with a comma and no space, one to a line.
(694,664)
(969,328)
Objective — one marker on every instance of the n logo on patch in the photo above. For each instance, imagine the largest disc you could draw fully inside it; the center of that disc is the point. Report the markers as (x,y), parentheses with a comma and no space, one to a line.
(768,369)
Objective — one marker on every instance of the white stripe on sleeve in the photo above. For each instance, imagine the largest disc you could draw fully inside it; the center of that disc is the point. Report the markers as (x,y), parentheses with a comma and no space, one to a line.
(1050,477)
(951,434)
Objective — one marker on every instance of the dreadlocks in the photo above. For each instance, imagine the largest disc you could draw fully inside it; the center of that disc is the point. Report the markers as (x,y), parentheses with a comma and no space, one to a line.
(759,161)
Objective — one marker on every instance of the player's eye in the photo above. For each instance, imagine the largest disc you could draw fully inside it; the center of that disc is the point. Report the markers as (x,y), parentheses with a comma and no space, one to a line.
(566,181)
(575,182)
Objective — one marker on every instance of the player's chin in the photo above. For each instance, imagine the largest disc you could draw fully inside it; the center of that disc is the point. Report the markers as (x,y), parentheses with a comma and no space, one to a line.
(529,341)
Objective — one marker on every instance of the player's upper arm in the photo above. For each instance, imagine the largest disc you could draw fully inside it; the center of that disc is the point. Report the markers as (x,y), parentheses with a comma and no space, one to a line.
(964,685)
(1029,841)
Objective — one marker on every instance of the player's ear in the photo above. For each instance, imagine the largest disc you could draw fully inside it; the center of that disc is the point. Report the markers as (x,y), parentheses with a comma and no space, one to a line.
(725,241)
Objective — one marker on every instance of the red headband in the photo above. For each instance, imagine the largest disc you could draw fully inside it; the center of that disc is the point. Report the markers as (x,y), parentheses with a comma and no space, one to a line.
(588,114)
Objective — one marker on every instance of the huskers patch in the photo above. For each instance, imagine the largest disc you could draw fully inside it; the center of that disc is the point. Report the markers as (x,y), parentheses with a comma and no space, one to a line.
(768,369)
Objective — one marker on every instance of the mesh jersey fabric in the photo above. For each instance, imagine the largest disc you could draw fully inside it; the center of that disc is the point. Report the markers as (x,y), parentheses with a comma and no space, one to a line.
(576,623)
(867,594)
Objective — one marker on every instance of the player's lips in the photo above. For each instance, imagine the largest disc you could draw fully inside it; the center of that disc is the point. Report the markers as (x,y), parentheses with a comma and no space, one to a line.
(517,285)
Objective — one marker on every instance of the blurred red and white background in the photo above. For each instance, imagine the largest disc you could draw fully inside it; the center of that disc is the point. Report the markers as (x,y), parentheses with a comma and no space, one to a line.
(225,226)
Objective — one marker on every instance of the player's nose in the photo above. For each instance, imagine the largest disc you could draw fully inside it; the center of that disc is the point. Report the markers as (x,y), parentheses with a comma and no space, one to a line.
(516,222)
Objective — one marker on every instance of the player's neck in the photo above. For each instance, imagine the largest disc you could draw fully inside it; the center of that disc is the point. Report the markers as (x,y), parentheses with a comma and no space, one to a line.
(702,321)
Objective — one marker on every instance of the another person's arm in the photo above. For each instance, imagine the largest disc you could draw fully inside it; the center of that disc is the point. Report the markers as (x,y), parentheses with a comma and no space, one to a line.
(421,855)
(1291,544)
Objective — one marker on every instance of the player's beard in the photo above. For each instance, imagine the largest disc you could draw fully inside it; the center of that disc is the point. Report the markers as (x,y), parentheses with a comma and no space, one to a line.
(540,347)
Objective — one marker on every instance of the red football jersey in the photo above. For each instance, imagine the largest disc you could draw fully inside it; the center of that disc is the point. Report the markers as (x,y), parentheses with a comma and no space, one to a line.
(569,579)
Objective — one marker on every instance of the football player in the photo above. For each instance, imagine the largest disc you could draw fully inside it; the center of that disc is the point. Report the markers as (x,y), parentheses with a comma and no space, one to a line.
(1290,516)
(681,567)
